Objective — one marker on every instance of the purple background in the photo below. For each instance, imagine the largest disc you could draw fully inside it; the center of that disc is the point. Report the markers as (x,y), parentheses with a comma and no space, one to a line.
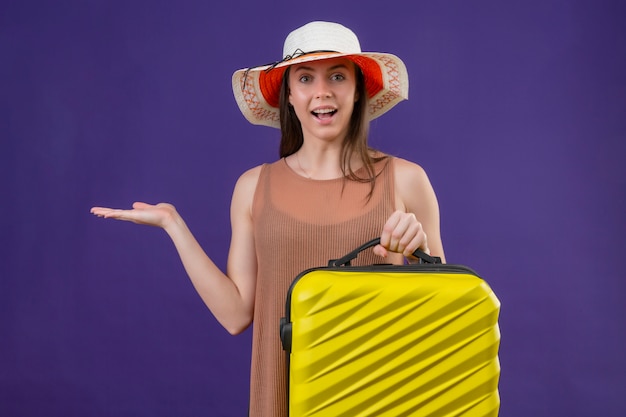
(517,111)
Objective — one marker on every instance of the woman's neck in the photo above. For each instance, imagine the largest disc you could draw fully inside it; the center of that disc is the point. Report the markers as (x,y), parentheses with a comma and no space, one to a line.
(320,162)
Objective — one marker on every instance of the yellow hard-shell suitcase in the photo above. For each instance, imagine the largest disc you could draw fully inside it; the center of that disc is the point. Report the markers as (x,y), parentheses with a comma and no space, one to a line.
(388,340)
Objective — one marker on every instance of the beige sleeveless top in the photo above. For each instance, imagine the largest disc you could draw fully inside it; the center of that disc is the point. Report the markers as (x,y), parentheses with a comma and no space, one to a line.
(300,223)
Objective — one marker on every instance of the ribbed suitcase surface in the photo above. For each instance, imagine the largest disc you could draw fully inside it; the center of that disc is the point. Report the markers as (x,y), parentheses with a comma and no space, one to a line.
(415,340)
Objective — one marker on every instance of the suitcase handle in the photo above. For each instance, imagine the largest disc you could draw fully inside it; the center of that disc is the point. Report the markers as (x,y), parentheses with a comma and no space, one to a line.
(346,260)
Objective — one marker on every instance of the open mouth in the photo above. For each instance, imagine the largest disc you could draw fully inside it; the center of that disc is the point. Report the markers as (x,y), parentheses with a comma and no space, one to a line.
(324,113)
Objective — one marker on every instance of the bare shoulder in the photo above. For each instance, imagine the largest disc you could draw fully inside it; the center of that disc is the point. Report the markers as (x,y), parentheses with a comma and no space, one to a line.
(249,179)
(412,187)
(243,194)
(409,174)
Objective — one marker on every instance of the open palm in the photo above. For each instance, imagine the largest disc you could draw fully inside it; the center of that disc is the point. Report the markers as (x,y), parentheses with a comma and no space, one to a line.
(141,213)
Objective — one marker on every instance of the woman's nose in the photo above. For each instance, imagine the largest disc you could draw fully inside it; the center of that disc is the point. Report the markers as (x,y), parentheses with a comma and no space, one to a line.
(323,89)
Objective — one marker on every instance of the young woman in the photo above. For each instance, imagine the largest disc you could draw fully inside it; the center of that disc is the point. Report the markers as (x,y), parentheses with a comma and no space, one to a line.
(327,194)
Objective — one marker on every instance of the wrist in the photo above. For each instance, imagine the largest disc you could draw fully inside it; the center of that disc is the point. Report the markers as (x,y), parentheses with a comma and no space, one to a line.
(172,221)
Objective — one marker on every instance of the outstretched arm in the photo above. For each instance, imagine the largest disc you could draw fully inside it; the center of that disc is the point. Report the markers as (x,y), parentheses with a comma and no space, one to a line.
(230,297)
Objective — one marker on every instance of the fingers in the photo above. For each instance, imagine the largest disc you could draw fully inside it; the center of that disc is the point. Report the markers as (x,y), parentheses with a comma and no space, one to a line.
(402,233)
(110,212)
(418,242)
(141,213)
(379,250)
(107,213)
(101,211)
(140,205)
(399,231)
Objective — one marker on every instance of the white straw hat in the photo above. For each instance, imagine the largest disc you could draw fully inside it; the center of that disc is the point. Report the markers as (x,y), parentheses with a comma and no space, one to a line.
(257,89)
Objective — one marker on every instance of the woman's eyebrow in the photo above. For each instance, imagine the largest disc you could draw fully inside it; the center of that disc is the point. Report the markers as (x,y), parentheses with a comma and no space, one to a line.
(333,68)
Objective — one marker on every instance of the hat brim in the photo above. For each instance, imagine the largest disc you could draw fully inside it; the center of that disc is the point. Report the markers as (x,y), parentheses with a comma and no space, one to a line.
(257,89)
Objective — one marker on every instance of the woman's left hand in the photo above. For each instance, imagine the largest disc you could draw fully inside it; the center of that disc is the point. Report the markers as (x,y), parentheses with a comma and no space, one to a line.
(402,233)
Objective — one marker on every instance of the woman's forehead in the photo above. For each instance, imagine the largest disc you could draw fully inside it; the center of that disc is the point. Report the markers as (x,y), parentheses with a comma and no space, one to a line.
(325,64)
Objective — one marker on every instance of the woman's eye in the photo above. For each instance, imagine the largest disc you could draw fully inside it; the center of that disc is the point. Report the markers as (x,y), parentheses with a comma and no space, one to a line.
(305,78)
(337,77)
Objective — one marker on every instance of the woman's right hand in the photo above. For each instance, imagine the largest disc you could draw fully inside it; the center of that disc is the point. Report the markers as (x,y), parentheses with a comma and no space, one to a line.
(159,215)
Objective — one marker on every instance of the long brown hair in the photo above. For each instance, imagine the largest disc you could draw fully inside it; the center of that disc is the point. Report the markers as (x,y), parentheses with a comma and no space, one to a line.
(355,141)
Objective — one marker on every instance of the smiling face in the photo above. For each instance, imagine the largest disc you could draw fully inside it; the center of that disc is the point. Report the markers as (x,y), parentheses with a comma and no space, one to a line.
(323,94)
